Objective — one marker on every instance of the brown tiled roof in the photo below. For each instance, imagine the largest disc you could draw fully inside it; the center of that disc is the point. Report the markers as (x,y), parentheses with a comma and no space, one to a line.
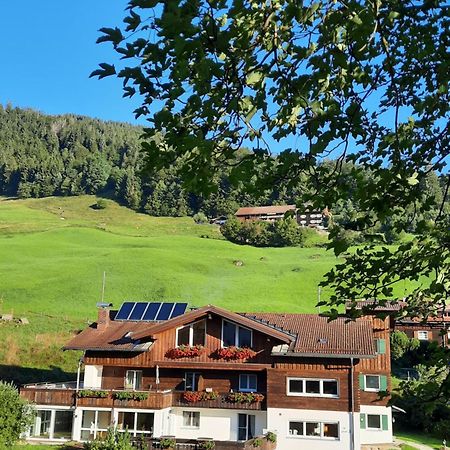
(317,336)
(377,305)
(302,334)
(114,337)
(256,210)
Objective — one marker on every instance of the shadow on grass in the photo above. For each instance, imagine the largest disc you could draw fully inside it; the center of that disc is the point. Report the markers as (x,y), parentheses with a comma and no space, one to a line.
(25,375)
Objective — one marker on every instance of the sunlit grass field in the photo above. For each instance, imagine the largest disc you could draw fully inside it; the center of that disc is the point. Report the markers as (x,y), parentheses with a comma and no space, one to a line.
(53,253)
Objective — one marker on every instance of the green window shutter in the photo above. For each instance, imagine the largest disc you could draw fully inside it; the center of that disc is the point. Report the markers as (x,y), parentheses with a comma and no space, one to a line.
(383,383)
(362,421)
(384,422)
(381,346)
(362,384)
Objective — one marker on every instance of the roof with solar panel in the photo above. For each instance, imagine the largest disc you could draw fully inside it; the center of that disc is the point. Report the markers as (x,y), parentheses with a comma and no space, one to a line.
(149,312)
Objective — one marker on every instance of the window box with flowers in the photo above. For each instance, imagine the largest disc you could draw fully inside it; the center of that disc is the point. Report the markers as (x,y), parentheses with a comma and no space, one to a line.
(127,395)
(235,353)
(199,396)
(245,397)
(90,393)
(185,351)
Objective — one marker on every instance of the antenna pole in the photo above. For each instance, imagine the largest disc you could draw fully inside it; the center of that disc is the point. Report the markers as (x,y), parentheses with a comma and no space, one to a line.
(103,286)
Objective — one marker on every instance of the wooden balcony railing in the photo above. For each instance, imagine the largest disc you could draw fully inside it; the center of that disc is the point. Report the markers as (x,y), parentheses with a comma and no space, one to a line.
(154,400)
(221,402)
(49,396)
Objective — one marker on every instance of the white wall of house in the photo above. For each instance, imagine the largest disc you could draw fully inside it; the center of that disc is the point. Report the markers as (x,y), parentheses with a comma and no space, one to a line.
(377,436)
(278,420)
(219,424)
(93,377)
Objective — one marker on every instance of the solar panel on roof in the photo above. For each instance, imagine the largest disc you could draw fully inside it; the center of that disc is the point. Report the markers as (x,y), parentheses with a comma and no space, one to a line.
(124,311)
(179,309)
(165,311)
(151,312)
(138,311)
(143,311)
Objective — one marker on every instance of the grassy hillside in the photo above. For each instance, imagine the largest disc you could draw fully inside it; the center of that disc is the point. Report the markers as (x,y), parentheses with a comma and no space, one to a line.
(54,252)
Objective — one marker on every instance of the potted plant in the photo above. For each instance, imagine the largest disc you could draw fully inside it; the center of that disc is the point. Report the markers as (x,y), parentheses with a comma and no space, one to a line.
(127,395)
(167,443)
(199,396)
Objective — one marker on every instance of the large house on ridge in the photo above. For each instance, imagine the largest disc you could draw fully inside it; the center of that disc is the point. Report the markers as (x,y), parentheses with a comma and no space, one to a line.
(159,369)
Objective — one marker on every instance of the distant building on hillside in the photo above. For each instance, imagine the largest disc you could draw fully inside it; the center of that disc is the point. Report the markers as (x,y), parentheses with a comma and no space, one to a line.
(305,217)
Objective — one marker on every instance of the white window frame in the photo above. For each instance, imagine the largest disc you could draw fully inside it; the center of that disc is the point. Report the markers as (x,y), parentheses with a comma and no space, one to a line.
(427,334)
(94,425)
(247,376)
(374,428)
(191,333)
(191,413)
(236,334)
(305,394)
(321,426)
(134,431)
(368,389)
(135,372)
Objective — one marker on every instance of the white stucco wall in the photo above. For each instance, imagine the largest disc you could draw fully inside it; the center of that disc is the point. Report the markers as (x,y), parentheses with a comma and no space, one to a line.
(278,421)
(93,377)
(377,436)
(220,424)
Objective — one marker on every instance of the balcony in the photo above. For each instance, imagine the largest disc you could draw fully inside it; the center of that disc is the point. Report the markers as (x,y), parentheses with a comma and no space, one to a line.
(58,394)
(221,402)
(65,394)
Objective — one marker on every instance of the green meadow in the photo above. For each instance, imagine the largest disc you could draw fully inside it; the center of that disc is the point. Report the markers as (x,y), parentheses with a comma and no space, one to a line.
(53,253)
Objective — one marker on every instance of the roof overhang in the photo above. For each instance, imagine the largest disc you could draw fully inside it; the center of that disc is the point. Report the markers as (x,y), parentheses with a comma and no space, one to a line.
(196,314)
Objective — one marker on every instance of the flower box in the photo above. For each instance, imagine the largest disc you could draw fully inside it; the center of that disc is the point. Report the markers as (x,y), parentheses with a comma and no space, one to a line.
(245,397)
(184,351)
(235,353)
(90,393)
(199,396)
(125,395)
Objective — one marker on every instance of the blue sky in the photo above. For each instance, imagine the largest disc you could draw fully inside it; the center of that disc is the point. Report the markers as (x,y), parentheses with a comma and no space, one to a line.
(48,50)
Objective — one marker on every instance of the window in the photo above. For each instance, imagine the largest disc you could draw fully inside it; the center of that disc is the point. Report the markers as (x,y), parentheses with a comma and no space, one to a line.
(193,334)
(136,423)
(422,335)
(381,346)
(94,424)
(191,381)
(191,419)
(246,427)
(374,421)
(133,379)
(247,383)
(312,387)
(321,430)
(63,425)
(372,383)
(233,334)
(42,424)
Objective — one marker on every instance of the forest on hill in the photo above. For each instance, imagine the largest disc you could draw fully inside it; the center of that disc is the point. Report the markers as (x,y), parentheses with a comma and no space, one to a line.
(68,155)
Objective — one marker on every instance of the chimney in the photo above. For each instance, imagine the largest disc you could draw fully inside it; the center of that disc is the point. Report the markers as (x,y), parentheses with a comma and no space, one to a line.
(103,316)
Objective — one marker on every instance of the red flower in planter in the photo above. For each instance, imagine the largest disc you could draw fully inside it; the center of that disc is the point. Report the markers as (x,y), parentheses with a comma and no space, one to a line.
(198,396)
(235,353)
(184,351)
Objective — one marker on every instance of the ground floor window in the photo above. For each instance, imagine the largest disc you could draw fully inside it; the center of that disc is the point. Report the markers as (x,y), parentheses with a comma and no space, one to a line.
(135,422)
(246,427)
(191,419)
(52,424)
(374,421)
(94,424)
(314,429)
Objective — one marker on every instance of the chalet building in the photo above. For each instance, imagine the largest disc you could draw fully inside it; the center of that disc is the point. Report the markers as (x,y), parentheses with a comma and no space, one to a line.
(208,373)
(305,217)
(435,328)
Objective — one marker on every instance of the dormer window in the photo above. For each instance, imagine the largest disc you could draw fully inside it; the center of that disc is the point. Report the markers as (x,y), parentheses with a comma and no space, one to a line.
(192,334)
(235,335)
